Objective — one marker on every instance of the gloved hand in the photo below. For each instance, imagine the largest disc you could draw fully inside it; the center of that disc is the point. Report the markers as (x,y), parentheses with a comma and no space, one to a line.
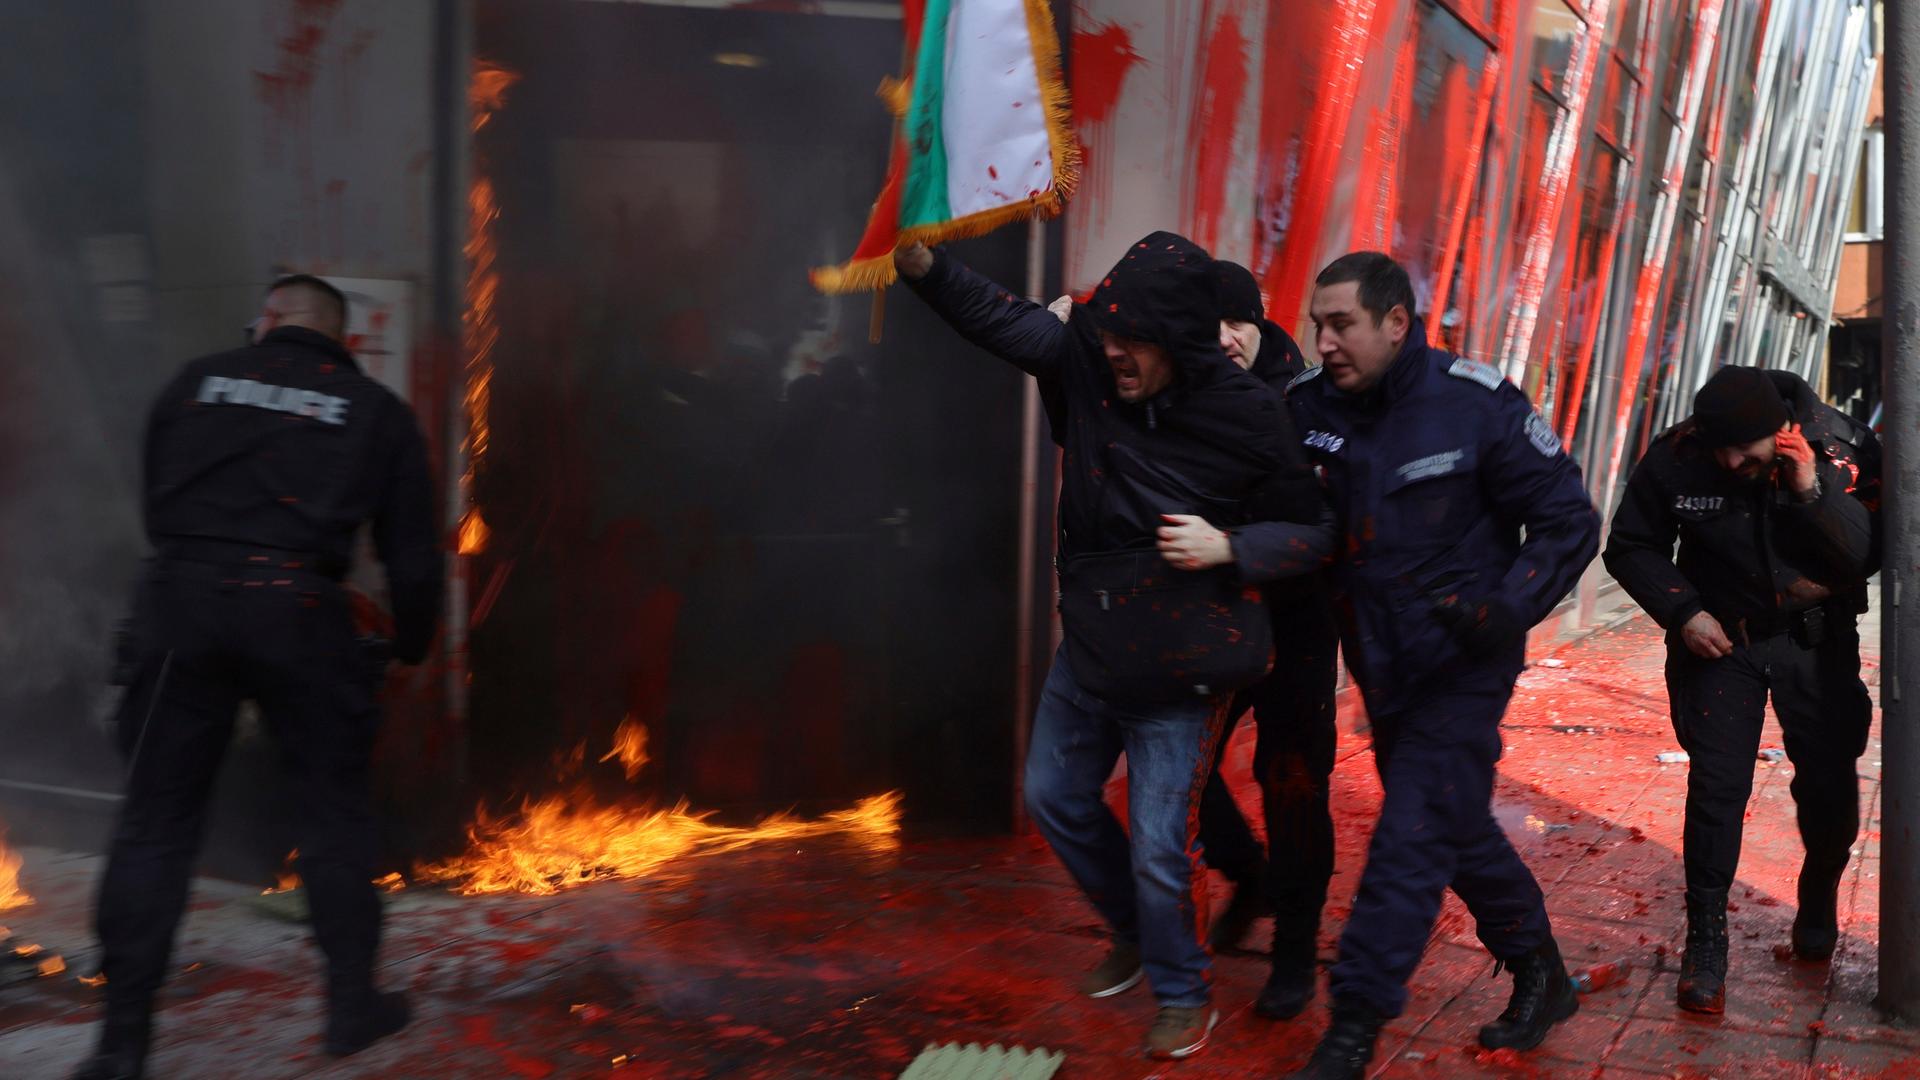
(1481,628)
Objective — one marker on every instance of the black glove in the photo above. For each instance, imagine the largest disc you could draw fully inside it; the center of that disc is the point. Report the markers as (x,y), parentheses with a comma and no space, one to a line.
(1482,628)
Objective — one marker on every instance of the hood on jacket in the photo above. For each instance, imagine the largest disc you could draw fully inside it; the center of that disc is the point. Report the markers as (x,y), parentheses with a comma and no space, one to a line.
(1163,291)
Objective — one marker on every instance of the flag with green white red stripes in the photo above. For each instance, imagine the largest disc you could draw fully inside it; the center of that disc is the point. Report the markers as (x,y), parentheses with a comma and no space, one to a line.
(984,134)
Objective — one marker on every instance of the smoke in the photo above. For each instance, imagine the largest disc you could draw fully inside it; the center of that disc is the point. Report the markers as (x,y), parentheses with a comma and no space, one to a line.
(68,515)
(718,508)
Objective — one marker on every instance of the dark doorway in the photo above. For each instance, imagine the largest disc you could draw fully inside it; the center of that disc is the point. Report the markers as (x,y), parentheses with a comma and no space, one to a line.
(716,509)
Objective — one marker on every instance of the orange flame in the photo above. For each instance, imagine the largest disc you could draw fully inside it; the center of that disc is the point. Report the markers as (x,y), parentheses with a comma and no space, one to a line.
(486,95)
(92,980)
(487,91)
(288,879)
(11,894)
(554,844)
(474,533)
(630,746)
(561,841)
(391,883)
(52,965)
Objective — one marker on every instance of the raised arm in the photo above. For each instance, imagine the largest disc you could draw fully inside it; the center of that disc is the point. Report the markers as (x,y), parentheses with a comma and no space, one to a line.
(1010,327)
(1835,497)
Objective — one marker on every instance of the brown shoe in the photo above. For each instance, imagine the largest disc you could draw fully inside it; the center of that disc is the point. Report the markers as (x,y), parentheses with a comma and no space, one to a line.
(1179,1032)
(1118,973)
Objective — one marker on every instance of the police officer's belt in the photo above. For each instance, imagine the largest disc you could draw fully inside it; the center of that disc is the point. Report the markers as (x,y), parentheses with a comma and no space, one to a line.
(1808,626)
(256,556)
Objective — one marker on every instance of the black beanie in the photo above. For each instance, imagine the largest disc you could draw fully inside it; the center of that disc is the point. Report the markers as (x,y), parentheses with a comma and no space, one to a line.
(1239,293)
(1738,405)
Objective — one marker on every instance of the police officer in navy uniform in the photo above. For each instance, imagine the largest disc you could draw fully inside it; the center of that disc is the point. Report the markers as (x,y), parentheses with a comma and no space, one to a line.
(261,464)
(1435,465)
(1293,714)
(1774,499)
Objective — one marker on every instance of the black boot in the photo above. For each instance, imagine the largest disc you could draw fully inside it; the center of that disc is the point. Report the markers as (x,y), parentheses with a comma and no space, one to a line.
(359,1021)
(1290,986)
(111,1065)
(1249,903)
(1703,970)
(1816,926)
(1346,1048)
(1542,997)
(122,1054)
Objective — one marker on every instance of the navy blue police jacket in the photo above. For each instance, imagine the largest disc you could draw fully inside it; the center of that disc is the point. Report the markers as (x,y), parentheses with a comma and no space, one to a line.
(288,445)
(1447,486)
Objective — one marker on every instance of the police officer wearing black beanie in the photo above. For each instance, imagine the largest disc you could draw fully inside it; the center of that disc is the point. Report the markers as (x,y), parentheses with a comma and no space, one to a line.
(1773,497)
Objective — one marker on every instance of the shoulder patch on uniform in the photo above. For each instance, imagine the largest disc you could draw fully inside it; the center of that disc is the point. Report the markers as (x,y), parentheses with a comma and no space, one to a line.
(1304,377)
(1474,371)
(1541,435)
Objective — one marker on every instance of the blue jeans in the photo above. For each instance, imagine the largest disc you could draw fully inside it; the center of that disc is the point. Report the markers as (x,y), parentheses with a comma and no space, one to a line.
(1144,889)
(1436,831)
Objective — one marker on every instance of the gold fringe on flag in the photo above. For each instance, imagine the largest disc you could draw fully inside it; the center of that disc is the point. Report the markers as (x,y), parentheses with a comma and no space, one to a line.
(877,272)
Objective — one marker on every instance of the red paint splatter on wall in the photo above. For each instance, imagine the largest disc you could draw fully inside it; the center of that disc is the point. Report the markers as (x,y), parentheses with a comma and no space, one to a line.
(1101,61)
(1103,56)
(285,88)
(1216,116)
(1300,84)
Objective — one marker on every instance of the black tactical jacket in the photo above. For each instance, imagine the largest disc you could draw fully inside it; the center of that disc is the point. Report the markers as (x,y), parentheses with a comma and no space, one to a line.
(1746,545)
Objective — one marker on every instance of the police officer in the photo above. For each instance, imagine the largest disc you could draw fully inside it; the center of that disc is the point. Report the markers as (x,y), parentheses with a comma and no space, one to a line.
(1774,498)
(260,466)
(1293,713)
(1435,465)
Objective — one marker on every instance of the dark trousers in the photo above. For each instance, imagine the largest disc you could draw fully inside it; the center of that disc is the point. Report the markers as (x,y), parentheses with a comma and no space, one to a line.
(1718,709)
(1296,737)
(1436,831)
(213,636)
(1140,879)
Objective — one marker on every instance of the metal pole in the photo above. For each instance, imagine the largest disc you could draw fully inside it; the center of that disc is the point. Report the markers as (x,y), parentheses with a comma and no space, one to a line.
(1030,613)
(1900,728)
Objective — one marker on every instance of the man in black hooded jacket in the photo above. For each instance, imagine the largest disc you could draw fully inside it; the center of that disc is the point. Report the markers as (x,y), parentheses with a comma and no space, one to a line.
(1157,427)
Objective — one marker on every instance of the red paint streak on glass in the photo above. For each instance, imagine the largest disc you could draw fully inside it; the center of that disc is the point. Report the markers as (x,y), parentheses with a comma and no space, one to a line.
(1291,90)
(1355,29)
(1667,204)
(1216,115)
(1457,215)
(1550,212)
(1376,196)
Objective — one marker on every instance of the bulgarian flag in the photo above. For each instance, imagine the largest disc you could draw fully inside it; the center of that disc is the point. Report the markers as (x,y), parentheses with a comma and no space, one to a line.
(984,134)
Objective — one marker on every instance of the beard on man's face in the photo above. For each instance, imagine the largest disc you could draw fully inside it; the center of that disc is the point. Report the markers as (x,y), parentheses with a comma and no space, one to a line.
(1753,469)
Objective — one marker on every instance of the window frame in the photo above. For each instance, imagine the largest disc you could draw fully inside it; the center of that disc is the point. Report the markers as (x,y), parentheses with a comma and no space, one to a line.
(1874,198)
